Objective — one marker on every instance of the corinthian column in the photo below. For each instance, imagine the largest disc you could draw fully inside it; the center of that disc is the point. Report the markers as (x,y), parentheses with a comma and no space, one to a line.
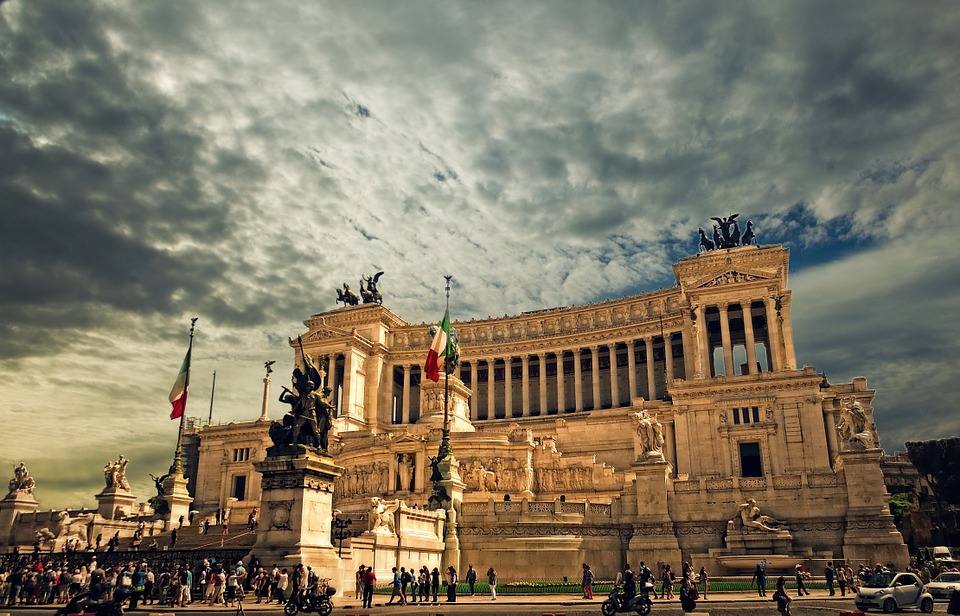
(725,340)
(651,372)
(508,386)
(577,380)
(614,385)
(595,373)
(561,403)
(525,384)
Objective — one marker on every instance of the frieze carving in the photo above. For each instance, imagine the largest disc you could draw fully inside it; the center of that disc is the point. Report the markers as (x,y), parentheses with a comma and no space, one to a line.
(563,479)
(731,277)
(535,530)
(870,524)
(499,474)
(818,481)
(653,529)
(373,479)
(701,528)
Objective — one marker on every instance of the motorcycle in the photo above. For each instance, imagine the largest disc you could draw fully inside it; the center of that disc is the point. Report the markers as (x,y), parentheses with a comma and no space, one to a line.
(306,601)
(82,604)
(618,602)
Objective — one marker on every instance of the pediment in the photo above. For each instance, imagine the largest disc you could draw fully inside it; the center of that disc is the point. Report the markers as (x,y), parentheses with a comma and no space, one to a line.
(731,276)
(326,332)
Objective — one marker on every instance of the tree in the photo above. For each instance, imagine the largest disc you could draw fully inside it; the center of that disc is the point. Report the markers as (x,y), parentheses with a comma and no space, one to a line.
(938,461)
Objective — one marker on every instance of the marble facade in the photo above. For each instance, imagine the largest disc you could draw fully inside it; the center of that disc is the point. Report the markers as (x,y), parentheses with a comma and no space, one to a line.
(545,431)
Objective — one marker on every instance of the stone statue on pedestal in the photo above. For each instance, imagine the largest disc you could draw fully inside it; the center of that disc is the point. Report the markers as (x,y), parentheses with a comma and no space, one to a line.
(650,431)
(750,517)
(856,430)
(22,481)
(115,474)
(383,515)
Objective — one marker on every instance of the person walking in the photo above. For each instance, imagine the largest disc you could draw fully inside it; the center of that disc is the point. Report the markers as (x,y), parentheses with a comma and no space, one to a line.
(799,576)
(704,580)
(452,580)
(435,582)
(667,591)
(587,582)
(471,578)
(760,578)
(492,582)
(781,597)
(828,574)
(396,588)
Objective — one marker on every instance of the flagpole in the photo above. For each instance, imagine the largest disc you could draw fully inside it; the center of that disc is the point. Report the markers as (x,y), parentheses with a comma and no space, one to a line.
(177,467)
(445,439)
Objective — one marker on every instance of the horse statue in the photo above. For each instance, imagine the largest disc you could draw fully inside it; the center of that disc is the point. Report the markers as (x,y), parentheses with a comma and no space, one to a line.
(348,297)
(749,237)
(705,243)
(735,234)
(370,294)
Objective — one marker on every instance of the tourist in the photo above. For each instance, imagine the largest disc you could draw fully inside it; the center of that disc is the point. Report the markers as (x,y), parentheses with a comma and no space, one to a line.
(799,575)
(404,582)
(358,590)
(173,538)
(781,597)
(451,581)
(435,582)
(851,579)
(587,582)
(841,579)
(424,584)
(828,576)
(414,585)
(471,578)
(396,588)
(704,580)
(646,576)
(281,587)
(492,582)
(369,580)
(629,583)
(186,584)
(668,578)
(760,578)
(148,584)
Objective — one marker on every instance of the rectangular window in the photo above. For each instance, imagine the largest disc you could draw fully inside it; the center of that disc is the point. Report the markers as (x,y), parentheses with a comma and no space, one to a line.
(750,463)
(756,415)
(240,487)
(736,417)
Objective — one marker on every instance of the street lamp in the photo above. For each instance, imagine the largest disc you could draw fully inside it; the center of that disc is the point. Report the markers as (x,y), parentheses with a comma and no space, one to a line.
(341,531)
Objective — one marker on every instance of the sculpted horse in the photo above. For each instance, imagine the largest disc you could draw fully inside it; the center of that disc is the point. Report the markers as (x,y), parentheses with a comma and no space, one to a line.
(748,235)
(348,297)
(705,243)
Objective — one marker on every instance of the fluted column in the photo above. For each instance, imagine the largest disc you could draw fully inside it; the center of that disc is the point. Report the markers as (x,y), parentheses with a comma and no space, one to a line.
(475,397)
(508,386)
(405,399)
(595,374)
(773,333)
(670,440)
(725,340)
(577,380)
(332,381)
(561,402)
(668,357)
(491,389)
(543,383)
(748,335)
(614,385)
(525,384)
(651,372)
(789,357)
(632,369)
(703,345)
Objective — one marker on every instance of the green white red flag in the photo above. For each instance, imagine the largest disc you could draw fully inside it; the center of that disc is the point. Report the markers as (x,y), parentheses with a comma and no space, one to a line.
(178,395)
(438,349)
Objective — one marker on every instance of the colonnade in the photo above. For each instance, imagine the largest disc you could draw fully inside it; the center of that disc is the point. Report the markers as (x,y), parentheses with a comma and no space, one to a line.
(726,326)
(592,377)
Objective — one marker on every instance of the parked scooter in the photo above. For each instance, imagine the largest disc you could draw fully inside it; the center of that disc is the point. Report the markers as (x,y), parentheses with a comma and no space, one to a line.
(617,602)
(306,601)
(81,603)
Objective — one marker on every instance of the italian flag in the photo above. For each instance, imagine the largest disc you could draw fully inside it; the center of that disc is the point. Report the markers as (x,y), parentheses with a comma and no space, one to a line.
(178,395)
(438,349)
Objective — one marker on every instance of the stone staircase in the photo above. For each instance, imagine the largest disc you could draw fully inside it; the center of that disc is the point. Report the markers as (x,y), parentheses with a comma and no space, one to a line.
(188,538)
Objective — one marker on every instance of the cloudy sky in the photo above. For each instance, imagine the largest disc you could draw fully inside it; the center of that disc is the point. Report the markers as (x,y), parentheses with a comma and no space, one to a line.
(239,161)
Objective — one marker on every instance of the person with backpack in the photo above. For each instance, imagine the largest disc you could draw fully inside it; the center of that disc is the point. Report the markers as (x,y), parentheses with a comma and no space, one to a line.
(587,581)
(471,577)
(781,597)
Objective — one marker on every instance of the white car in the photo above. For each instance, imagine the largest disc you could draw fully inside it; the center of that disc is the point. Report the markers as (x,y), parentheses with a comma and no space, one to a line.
(942,586)
(894,591)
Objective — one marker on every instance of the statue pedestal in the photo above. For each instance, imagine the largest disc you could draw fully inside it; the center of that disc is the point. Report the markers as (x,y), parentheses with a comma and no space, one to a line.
(115,503)
(870,534)
(741,541)
(11,507)
(297,510)
(178,500)
(431,403)
(654,538)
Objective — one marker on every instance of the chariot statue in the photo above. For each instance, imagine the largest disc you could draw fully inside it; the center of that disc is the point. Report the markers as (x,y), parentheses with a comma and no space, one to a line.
(348,297)
(368,289)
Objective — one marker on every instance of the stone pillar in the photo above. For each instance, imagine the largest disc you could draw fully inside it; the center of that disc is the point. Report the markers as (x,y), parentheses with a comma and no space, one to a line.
(296,507)
(349,397)
(870,534)
(543,383)
(750,340)
(830,425)
(474,377)
(654,537)
(773,333)
(405,400)
(11,507)
(668,358)
(114,503)
(789,359)
(525,385)
(577,380)
(702,344)
(432,400)
(178,500)
(725,340)
(561,394)
(332,382)
(632,369)
(614,385)
(491,388)
(651,369)
(508,386)
(670,444)
(595,375)
(266,399)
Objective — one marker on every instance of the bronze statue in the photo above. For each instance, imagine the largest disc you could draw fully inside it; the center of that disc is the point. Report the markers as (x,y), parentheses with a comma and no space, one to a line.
(371,294)
(348,297)
(705,243)
(749,237)
(160,506)
(726,234)
(726,226)
(311,414)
